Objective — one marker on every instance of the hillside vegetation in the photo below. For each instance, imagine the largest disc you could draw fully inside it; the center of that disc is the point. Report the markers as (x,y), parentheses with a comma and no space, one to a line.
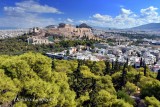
(34,80)
(19,45)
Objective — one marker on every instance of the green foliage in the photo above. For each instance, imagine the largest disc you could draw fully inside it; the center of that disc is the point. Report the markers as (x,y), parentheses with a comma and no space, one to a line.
(107,68)
(65,66)
(133,75)
(121,103)
(87,73)
(152,102)
(39,64)
(8,89)
(130,88)
(20,104)
(83,98)
(105,83)
(72,83)
(116,79)
(123,95)
(150,87)
(30,76)
(98,68)
(16,68)
(19,45)
(71,43)
(66,97)
(78,83)
(104,99)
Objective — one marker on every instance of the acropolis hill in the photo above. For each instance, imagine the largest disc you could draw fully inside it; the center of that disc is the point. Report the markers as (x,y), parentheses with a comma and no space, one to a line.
(69,30)
(65,30)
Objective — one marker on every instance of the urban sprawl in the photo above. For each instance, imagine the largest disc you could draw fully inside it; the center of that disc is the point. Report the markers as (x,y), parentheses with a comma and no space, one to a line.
(121,45)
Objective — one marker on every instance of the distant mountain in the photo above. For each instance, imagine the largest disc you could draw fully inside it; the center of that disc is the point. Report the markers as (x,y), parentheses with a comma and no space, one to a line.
(150,26)
(104,28)
(7,28)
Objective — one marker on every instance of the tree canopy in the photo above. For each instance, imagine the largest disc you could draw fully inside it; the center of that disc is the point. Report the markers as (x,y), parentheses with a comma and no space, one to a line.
(32,79)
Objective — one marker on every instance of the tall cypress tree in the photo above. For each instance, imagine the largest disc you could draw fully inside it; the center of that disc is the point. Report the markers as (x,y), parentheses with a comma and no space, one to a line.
(93,93)
(79,83)
(107,69)
(145,69)
(127,63)
(112,67)
(158,75)
(141,62)
(137,77)
(124,73)
(77,80)
(124,66)
(116,65)
(53,64)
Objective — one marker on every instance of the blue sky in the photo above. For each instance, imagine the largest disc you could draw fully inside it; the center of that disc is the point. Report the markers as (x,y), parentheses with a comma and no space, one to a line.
(102,13)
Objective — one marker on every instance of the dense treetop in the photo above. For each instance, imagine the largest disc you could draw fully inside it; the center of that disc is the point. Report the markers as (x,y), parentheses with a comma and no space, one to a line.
(31,80)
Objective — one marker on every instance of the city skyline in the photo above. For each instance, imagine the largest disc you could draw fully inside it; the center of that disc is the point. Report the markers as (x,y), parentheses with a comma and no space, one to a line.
(104,13)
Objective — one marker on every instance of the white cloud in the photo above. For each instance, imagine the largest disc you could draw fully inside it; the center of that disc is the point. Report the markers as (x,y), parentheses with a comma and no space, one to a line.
(126,18)
(100,17)
(27,14)
(149,11)
(70,20)
(25,22)
(31,6)
(125,11)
